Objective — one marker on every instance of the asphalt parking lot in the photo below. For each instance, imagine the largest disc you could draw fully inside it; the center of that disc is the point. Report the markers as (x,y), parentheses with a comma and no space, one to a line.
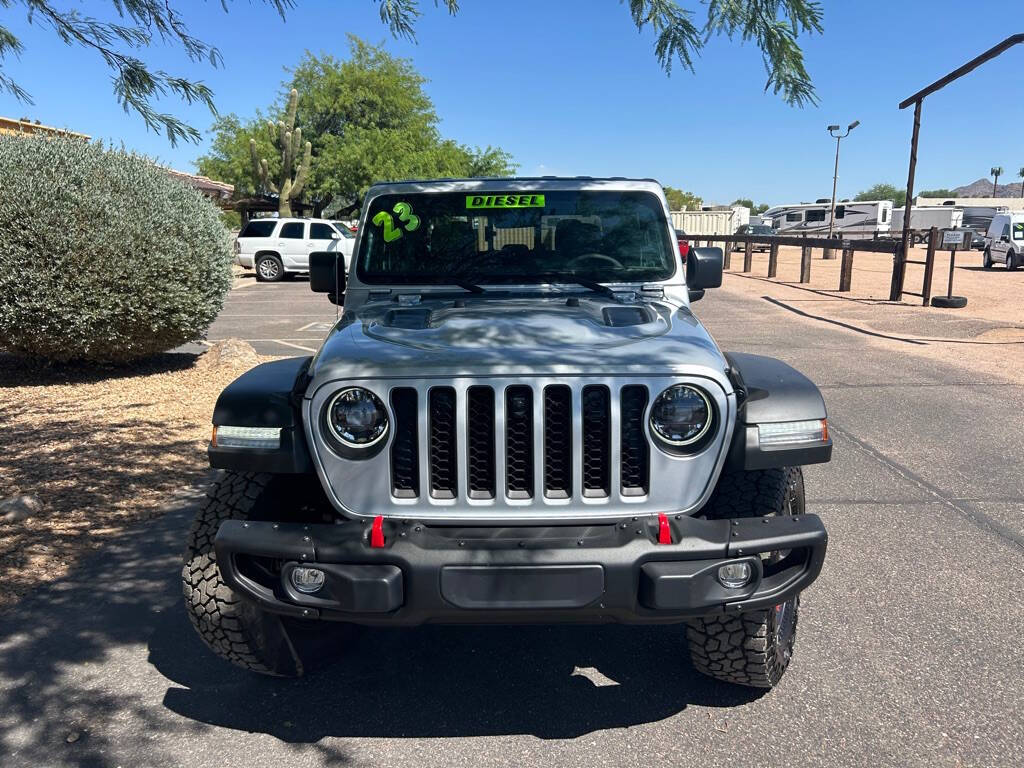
(283,318)
(908,653)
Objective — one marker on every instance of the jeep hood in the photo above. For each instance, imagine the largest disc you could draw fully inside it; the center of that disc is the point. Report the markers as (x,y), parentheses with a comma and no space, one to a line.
(510,336)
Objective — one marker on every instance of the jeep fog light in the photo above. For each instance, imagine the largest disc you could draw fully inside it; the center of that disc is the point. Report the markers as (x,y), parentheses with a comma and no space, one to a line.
(793,432)
(735,575)
(307,580)
(260,438)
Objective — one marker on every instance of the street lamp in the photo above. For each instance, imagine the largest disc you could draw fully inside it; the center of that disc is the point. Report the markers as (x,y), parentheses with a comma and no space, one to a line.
(832,131)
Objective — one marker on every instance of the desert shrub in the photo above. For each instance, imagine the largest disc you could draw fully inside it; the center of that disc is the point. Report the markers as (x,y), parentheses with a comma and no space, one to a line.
(103,256)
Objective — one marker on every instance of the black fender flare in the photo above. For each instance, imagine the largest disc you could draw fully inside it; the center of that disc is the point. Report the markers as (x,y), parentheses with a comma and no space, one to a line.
(770,391)
(269,395)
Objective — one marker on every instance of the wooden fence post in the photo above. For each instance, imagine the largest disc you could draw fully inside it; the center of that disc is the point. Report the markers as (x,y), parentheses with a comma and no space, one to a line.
(748,256)
(805,264)
(773,260)
(929,265)
(846,269)
(727,253)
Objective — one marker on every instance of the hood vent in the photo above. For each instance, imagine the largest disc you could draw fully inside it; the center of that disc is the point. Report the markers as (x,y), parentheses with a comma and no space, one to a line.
(413,319)
(621,317)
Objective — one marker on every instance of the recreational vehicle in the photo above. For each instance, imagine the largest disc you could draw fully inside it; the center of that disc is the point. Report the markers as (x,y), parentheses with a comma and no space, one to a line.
(979,217)
(853,220)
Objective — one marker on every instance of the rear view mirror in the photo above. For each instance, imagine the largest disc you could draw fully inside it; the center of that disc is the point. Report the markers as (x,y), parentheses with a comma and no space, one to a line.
(703,270)
(327,274)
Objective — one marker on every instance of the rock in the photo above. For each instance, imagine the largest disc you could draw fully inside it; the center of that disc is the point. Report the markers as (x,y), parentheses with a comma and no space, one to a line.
(14,509)
(234,353)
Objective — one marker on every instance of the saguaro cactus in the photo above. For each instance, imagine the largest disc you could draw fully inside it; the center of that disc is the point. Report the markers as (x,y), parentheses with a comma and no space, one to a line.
(288,140)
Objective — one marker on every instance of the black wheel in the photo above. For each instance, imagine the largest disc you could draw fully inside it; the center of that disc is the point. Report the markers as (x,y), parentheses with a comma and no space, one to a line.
(234,628)
(949,302)
(1011,261)
(986,259)
(753,648)
(269,268)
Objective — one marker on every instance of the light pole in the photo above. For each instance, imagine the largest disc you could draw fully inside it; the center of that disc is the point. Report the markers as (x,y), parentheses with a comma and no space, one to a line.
(835,176)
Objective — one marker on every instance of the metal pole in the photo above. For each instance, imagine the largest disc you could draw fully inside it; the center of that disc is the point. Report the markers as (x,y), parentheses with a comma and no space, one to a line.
(835,179)
(899,258)
(952,266)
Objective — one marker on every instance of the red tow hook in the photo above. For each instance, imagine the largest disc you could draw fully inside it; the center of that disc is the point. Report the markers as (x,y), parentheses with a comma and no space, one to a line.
(377,532)
(664,532)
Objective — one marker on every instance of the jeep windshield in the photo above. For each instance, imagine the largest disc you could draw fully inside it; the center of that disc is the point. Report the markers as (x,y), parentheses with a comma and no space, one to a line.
(515,237)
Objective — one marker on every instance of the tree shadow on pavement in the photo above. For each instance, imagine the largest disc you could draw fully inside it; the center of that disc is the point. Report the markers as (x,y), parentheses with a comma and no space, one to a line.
(71,688)
(445,681)
(73,665)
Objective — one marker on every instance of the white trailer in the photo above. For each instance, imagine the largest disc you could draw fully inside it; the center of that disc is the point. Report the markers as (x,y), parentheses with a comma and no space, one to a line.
(924,217)
(853,220)
(705,222)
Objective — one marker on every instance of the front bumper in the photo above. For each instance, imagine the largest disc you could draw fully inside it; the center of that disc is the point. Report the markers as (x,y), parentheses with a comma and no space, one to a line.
(614,572)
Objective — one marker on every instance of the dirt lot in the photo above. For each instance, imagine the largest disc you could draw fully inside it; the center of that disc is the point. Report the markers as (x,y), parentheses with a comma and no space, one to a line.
(987,335)
(100,450)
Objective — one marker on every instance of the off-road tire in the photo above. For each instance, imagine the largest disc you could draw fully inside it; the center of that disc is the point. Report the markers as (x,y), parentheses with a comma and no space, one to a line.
(234,628)
(986,259)
(752,648)
(1011,261)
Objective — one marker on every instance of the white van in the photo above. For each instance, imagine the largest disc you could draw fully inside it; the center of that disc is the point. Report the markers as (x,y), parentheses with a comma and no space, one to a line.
(1005,240)
(279,247)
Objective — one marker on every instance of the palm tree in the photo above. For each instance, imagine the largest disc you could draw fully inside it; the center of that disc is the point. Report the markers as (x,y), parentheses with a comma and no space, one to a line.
(1021,174)
(996,172)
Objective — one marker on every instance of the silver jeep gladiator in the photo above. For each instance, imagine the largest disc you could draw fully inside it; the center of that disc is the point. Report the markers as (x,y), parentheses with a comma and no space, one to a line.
(517,418)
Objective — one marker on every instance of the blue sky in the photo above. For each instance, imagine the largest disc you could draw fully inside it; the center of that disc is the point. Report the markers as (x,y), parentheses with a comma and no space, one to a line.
(570,87)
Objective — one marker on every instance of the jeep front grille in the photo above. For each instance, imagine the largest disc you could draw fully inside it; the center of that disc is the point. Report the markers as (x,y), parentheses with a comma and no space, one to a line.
(443,444)
(564,469)
(517,448)
(519,442)
(405,465)
(635,451)
(557,441)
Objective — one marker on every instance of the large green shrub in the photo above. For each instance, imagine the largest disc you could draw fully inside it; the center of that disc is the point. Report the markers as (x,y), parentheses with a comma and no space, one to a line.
(103,255)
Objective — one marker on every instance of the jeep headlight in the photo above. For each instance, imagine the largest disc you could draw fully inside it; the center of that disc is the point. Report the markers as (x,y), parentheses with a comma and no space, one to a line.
(681,415)
(357,418)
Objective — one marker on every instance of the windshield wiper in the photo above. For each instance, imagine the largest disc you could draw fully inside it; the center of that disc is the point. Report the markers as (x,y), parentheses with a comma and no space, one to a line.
(471,287)
(590,285)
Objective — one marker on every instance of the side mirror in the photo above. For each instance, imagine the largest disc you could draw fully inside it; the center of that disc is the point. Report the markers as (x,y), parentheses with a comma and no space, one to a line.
(1004,239)
(335,236)
(703,270)
(327,274)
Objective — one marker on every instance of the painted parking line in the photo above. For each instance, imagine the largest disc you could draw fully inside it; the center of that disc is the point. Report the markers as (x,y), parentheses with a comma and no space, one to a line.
(295,346)
(315,340)
(320,326)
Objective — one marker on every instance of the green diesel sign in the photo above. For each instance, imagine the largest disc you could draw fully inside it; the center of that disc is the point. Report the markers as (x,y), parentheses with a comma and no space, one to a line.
(504,201)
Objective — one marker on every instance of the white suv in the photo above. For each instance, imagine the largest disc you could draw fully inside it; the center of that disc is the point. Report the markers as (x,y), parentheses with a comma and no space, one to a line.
(1005,240)
(278,247)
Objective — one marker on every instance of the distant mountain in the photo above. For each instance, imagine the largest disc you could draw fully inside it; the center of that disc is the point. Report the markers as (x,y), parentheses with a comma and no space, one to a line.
(983,188)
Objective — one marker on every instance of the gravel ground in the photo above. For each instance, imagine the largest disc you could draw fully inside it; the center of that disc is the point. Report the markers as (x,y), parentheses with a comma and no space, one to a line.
(100,448)
(987,335)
